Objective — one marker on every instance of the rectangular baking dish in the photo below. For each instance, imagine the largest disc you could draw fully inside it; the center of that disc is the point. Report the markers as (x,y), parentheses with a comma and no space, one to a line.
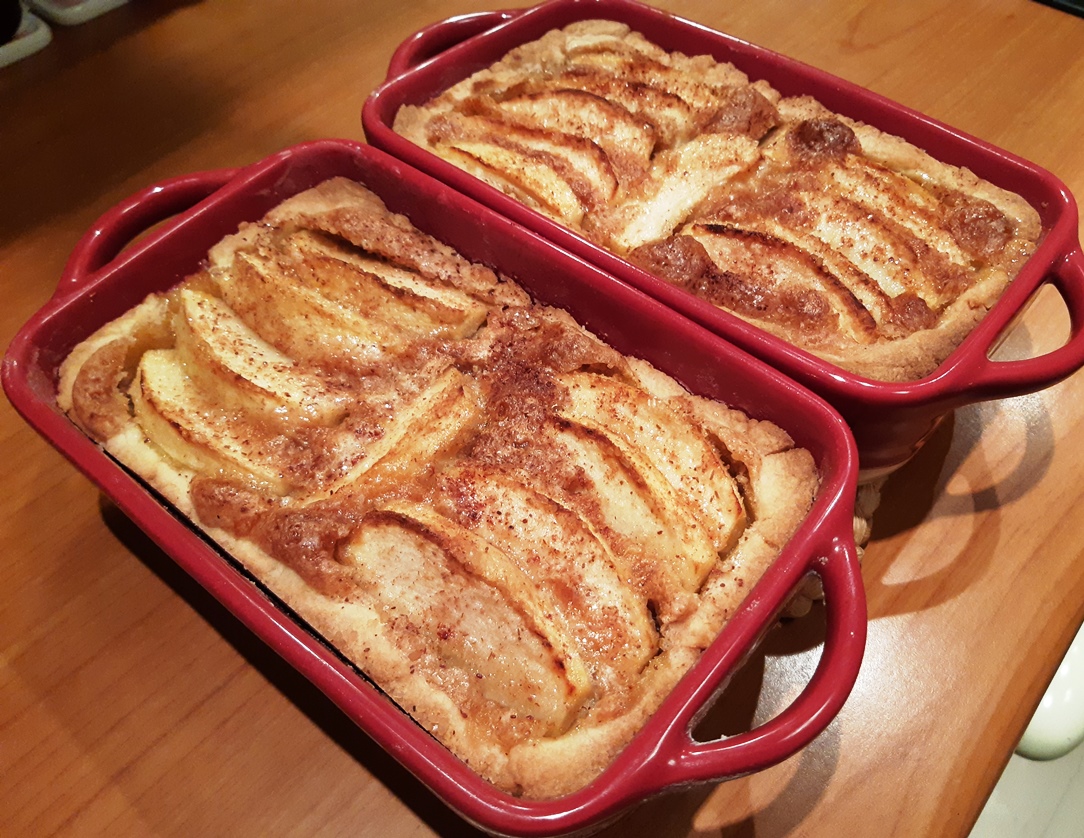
(102,279)
(890,421)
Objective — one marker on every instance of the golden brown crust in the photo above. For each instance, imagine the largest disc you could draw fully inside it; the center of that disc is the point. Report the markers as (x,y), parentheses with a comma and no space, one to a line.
(844,240)
(522,536)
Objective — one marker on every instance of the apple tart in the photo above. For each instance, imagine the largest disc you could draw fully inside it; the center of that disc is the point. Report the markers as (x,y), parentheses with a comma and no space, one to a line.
(849,243)
(520,535)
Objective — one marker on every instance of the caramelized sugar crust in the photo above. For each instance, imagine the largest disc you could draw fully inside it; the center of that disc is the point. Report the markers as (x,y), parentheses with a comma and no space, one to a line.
(522,536)
(850,243)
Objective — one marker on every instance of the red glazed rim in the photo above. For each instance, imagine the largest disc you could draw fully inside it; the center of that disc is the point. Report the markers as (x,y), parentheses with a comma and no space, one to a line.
(101,281)
(908,411)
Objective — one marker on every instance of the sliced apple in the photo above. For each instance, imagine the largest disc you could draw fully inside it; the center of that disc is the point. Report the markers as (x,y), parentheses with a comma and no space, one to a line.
(299,320)
(784,260)
(670,115)
(438,431)
(580,162)
(94,379)
(508,146)
(897,196)
(649,520)
(423,425)
(883,200)
(627,140)
(556,548)
(385,291)
(522,173)
(673,459)
(683,179)
(198,434)
(465,602)
(634,68)
(228,355)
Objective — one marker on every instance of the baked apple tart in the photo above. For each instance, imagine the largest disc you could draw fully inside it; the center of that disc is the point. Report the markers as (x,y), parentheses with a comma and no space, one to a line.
(522,536)
(850,243)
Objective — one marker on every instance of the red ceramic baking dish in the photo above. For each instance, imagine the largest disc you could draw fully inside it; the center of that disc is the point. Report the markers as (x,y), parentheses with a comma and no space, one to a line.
(101,280)
(889,420)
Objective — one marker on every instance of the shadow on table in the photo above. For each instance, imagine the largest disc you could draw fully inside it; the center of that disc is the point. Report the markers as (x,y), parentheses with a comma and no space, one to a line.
(930,492)
(911,494)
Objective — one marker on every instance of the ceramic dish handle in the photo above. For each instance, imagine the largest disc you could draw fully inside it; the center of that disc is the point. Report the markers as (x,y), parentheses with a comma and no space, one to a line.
(1003,379)
(443,35)
(119,226)
(688,761)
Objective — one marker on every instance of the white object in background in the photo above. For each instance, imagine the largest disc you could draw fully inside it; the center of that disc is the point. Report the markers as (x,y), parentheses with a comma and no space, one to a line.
(1058,724)
(73,12)
(33,34)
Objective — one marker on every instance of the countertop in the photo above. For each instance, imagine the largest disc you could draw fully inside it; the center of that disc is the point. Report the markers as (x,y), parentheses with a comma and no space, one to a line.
(133,704)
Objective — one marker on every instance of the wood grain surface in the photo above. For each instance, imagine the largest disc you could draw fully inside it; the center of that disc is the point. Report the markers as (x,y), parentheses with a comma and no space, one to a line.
(131,703)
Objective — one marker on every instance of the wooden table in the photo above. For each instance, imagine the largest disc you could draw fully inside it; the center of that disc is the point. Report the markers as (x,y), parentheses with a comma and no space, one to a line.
(131,703)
